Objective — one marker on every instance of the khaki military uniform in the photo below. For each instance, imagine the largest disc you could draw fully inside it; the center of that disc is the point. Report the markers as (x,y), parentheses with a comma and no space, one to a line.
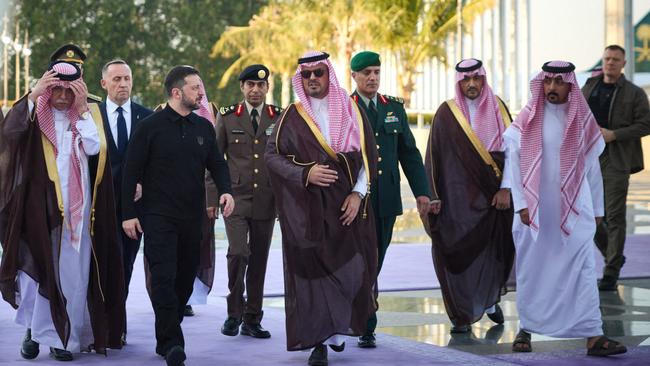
(250,227)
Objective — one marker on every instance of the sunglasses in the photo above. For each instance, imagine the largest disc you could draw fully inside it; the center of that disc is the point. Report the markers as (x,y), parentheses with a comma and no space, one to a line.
(306,74)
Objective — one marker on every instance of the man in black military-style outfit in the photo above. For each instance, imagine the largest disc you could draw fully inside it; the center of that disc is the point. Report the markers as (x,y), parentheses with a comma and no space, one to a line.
(169,153)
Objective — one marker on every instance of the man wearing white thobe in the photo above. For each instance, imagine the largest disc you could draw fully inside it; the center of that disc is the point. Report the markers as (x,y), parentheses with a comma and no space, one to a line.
(52,293)
(552,165)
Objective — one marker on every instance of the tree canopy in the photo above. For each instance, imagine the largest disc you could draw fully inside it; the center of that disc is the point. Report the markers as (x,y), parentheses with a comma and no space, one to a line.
(151,35)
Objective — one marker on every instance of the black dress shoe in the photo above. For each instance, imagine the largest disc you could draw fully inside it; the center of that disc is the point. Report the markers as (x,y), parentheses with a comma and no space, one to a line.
(460,329)
(337,348)
(188,311)
(607,283)
(494,334)
(367,341)
(231,327)
(60,354)
(497,316)
(318,356)
(255,331)
(175,356)
(29,349)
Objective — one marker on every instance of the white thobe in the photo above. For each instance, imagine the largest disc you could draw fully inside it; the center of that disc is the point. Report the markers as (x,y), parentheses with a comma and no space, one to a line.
(557,294)
(200,293)
(321,113)
(472,107)
(74,265)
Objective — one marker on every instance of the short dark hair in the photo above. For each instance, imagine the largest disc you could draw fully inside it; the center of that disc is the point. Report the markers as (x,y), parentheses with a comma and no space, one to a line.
(115,61)
(615,47)
(176,77)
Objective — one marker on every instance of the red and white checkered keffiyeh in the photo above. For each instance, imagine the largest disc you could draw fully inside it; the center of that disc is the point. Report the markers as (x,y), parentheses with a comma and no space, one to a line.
(204,111)
(581,135)
(45,117)
(343,127)
(488,122)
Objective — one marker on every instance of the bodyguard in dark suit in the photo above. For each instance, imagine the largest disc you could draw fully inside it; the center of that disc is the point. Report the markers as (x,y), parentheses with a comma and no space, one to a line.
(121,116)
(621,110)
(396,145)
(242,131)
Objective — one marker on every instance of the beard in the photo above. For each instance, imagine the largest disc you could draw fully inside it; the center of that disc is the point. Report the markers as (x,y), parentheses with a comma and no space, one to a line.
(190,103)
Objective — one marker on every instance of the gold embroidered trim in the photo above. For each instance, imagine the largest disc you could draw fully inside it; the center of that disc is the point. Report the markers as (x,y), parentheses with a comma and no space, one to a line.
(473,138)
(314,130)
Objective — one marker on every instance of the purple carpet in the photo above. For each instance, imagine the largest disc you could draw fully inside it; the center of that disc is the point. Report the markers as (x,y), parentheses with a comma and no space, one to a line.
(206,346)
(410,267)
(635,356)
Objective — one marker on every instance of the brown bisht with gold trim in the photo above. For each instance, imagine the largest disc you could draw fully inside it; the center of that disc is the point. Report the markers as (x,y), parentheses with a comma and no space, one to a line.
(31,227)
(330,270)
(472,249)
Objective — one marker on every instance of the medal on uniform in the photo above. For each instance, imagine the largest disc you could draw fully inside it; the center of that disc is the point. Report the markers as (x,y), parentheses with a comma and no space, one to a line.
(269,130)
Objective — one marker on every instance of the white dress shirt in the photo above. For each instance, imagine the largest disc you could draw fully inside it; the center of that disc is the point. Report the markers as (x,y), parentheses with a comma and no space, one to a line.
(111,113)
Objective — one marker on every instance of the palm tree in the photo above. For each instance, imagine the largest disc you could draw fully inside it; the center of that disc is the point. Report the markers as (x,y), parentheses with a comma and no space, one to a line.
(412,30)
(265,40)
(284,30)
(418,34)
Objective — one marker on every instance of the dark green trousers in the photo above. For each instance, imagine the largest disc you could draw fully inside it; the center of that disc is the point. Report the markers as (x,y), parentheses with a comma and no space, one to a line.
(384,229)
(610,234)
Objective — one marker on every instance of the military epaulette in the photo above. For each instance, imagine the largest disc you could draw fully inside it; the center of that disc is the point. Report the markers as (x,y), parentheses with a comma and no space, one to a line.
(273,110)
(394,99)
(95,98)
(227,110)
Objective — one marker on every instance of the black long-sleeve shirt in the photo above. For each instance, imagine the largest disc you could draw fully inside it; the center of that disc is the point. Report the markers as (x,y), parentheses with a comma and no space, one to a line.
(168,154)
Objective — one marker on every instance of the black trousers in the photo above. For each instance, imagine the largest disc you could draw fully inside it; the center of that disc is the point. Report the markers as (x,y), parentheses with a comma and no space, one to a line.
(130,250)
(172,249)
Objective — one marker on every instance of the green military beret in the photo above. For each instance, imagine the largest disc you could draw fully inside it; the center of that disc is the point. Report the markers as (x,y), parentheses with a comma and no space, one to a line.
(364,59)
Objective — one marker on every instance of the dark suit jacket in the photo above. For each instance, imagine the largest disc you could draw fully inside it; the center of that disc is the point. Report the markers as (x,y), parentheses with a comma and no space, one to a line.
(629,119)
(138,113)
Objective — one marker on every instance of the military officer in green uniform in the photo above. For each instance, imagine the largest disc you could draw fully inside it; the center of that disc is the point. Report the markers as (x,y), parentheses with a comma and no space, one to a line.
(395,144)
(74,54)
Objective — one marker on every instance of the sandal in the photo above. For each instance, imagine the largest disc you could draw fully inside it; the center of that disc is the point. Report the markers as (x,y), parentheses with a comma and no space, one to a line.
(601,350)
(522,342)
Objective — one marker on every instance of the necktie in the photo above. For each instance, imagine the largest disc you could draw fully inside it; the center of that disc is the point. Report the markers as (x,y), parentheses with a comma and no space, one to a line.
(121,131)
(254,115)
(372,112)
